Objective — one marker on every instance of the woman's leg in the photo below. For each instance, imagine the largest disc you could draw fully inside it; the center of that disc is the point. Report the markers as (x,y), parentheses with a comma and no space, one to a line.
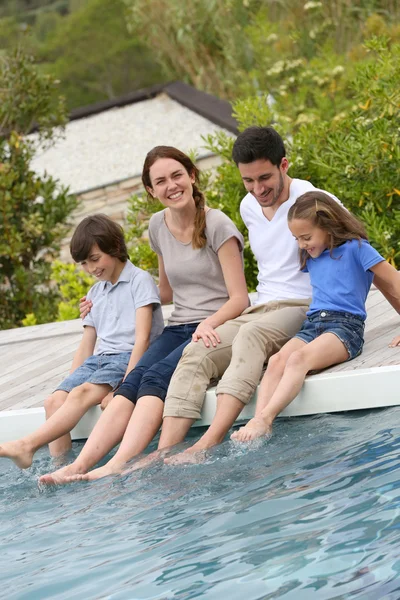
(62,421)
(324,351)
(147,416)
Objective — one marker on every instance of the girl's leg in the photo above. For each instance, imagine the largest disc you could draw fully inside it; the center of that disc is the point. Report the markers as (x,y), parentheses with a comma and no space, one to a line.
(62,421)
(324,351)
(273,375)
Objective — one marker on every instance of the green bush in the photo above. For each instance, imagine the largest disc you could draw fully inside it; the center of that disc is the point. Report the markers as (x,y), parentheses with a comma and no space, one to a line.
(33,209)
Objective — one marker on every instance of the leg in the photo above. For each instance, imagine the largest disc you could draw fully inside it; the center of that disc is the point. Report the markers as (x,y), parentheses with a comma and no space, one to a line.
(276,366)
(197,367)
(51,404)
(78,402)
(147,416)
(256,340)
(324,351)
(106,434)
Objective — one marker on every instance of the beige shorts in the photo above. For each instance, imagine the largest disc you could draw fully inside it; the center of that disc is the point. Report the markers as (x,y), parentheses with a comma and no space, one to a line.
(247,342)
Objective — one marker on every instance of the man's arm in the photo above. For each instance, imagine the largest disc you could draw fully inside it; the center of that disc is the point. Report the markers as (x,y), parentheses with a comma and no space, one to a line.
(85,348)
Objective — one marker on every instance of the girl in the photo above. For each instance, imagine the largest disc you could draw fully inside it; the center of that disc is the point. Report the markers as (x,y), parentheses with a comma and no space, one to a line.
(201,271)
(335,251)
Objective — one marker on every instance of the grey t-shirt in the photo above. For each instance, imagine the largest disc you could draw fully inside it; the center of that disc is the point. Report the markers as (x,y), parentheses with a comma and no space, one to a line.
(195,275)
(113,313)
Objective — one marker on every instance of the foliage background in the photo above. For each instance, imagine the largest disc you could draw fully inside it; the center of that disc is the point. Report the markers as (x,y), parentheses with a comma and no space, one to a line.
(324,73)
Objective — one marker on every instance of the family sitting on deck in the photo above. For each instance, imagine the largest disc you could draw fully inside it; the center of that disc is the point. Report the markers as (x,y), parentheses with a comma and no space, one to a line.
(315,270)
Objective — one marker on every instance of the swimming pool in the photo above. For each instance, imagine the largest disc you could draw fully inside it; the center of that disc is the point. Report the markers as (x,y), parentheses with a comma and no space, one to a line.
(311,513)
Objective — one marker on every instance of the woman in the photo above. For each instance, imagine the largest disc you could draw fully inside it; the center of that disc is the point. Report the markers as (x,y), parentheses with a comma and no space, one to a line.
(201,271)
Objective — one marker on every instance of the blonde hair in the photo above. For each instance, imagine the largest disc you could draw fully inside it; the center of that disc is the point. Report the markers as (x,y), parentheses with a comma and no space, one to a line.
(322,211)
(199,239)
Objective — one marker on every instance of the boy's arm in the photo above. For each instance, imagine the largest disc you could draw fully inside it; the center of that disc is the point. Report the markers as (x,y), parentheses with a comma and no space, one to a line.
(144,317)
(85,348)
(387,280)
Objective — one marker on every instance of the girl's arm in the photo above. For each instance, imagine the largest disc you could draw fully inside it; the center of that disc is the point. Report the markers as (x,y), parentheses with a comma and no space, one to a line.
(232,268)
(164,285)
(85,348)
(387,280)
(144,317)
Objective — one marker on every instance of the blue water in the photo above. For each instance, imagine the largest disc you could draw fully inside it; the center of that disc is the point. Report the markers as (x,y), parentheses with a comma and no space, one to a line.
(311,513)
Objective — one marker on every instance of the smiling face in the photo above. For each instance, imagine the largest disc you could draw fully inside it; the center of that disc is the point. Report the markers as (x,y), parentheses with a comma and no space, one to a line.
(310,238)
(171,183)
(268,183)
(102,266)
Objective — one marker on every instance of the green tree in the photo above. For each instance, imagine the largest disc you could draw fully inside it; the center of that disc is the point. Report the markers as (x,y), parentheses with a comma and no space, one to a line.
(33,209)
(95,57)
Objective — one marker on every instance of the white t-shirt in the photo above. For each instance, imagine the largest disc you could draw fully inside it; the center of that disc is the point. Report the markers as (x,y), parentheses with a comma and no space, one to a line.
(275,249)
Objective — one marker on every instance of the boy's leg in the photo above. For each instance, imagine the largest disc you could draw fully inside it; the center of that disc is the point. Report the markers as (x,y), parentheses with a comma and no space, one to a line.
(79,400)
(273,375)
(51,405)
(254,343)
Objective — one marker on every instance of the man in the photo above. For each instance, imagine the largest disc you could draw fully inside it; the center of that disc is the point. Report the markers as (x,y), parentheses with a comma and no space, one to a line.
(284,294)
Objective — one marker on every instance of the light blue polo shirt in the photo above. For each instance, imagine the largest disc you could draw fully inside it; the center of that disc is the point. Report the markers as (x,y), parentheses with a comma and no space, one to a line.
(113,313)
(342,283)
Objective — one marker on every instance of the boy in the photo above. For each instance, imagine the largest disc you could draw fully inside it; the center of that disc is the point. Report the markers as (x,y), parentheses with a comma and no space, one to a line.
(126,318)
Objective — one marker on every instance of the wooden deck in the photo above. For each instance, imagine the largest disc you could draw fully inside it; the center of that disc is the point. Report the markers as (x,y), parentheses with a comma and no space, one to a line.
(35,359)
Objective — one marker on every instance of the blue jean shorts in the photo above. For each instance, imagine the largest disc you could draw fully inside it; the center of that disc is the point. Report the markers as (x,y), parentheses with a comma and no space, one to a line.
(347,327)
(107,369)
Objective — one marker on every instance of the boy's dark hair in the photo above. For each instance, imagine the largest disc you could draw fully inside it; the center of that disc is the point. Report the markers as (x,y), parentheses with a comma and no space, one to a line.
(255,143)
(101,230)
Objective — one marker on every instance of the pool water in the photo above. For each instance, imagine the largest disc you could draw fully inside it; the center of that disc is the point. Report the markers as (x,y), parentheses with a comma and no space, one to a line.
(311,513)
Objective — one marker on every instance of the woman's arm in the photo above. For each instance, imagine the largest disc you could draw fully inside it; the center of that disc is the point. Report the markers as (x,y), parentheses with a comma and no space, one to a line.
(387,280)
(85,348)
(164,285)
(144,317)
(232,268)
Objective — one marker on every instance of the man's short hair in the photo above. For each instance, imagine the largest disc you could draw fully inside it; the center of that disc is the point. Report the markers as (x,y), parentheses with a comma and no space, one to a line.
(103,231)
(255,143)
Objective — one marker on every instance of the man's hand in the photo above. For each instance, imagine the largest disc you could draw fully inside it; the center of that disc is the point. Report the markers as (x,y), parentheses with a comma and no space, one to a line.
(84,307)
(206,333)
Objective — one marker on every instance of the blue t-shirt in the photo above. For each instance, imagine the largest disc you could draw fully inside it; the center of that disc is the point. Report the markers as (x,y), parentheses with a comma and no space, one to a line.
(342,284)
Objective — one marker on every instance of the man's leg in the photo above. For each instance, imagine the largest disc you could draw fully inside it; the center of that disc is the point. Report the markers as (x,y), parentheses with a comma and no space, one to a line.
(196,369)
(62,421)
(255,342)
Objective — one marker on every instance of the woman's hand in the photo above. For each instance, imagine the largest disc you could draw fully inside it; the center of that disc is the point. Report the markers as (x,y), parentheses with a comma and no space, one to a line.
(206,333)
(84,307)
(395,342)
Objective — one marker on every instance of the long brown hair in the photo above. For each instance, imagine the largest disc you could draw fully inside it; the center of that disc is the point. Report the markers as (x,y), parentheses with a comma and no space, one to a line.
(322,211)
(199,239)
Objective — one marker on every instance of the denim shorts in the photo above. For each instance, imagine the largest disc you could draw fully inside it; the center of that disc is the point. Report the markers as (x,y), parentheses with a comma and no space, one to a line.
(347,327)
(107,369)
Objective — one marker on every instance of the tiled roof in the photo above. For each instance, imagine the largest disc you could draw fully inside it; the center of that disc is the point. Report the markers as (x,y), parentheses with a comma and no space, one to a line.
(108,142)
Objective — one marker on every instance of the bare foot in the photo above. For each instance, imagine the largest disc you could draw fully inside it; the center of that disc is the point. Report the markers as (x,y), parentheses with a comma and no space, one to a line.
(194,455)
(105,471)
(61,476)
(19,452)
(254,429)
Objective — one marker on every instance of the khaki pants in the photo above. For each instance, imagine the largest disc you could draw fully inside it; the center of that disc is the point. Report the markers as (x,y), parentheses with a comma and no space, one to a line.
(247,342)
